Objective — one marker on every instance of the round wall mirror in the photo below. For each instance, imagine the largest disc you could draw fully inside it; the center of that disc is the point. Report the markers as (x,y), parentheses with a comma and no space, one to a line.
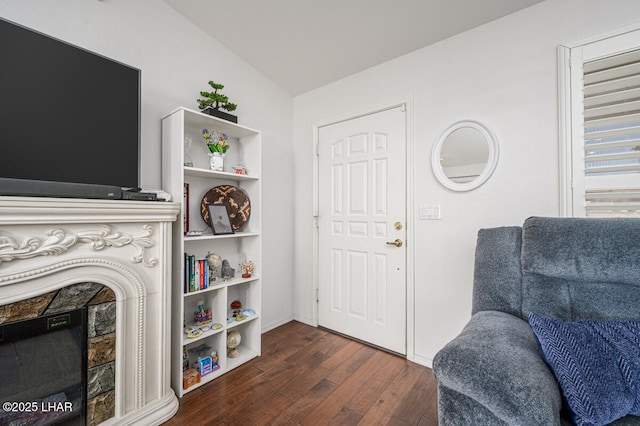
(465,156)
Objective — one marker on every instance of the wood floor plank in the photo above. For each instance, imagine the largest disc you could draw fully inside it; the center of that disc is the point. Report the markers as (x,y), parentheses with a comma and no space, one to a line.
(356,382)
(305,381)
(266,410)
(376,384)
(294,414)
(350,365)
(383,410)
(314,372)
(419,399)
(310,376)
(346,416)
(346,352)
(326,345)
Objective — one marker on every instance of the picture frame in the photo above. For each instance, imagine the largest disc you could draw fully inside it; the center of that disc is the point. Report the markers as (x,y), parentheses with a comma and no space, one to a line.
(219,219)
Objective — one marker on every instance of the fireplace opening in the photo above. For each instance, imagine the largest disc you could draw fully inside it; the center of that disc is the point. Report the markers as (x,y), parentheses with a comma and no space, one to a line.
(43,366)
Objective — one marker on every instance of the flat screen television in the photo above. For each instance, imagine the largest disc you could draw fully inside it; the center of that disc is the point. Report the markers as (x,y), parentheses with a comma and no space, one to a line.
(69,118)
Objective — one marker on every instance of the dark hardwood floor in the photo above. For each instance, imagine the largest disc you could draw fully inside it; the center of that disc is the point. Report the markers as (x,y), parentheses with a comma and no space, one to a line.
(310,376)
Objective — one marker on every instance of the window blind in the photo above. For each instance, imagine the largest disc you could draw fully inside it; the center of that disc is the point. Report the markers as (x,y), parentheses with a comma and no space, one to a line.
(612,135)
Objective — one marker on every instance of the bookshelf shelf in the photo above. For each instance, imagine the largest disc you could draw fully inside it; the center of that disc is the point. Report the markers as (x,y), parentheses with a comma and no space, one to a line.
(208,235)
(192,171)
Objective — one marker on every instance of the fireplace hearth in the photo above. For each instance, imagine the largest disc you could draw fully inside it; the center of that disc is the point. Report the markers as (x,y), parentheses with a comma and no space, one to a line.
(111,260)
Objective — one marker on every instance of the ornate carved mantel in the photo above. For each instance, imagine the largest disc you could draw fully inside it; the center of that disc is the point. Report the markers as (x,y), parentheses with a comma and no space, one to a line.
(47,244)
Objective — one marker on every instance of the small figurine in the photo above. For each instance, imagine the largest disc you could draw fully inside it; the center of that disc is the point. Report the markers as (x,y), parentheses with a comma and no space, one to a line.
(236,308)
(227,270)
(214,361)
(202,316)
(215,262)
(240,169)
(247,269)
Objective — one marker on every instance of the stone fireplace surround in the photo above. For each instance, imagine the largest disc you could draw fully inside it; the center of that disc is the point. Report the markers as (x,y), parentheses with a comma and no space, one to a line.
(101,324)
(48,244)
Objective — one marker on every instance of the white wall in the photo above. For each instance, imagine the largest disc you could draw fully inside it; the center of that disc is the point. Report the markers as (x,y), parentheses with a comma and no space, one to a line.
(502,74)
(177,60)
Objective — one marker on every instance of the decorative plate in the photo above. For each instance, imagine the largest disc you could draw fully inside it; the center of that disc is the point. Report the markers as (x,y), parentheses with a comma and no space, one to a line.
(234,198)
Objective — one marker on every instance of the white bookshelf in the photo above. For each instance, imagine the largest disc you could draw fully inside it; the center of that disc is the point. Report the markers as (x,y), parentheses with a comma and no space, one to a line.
(244,244)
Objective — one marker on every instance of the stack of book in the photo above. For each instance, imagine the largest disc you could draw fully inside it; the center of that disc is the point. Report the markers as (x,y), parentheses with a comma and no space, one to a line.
(196,273)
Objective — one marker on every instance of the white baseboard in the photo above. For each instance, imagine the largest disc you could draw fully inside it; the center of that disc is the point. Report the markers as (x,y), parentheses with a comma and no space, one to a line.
(305,320)
(271,326)
(422,360)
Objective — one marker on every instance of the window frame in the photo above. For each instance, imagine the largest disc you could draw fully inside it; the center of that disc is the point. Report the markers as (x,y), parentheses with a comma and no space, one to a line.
(571,57)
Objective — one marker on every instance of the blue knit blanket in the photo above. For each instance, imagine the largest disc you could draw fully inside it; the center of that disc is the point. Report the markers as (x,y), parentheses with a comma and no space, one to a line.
(596,363)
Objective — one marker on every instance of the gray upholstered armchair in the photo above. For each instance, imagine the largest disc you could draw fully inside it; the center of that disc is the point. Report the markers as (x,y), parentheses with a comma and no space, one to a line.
(567,269)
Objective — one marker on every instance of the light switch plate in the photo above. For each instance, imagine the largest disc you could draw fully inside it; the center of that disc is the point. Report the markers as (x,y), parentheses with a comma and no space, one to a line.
(429,212)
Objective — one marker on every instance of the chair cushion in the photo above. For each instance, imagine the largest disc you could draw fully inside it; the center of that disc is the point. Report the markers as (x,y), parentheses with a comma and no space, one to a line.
(596,363)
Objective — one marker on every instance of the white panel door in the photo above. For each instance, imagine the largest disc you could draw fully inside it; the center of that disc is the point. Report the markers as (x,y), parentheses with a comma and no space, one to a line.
(362,213)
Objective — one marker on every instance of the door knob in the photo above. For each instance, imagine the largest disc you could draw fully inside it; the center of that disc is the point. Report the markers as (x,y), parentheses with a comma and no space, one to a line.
(397,242)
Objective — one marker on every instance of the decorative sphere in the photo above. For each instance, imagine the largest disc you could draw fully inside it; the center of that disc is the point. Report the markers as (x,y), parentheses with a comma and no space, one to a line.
(215,261)
(233,341)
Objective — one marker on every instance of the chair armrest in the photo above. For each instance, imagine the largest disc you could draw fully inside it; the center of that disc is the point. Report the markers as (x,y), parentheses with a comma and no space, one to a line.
(496,363)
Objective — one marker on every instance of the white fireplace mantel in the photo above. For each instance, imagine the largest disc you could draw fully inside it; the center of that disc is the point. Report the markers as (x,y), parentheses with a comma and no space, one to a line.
(50,243)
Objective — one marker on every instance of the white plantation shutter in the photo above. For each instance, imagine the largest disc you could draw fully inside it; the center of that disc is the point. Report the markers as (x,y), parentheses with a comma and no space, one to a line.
(605,121)
(612,135)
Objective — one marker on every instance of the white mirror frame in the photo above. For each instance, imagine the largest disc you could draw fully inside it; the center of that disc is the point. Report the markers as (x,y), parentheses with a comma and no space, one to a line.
(492,161)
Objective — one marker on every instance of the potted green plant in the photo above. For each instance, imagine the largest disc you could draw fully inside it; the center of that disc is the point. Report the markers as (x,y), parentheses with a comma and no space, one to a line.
(213,102)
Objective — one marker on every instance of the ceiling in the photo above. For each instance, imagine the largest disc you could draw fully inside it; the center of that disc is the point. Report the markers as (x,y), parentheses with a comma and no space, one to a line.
(304,44)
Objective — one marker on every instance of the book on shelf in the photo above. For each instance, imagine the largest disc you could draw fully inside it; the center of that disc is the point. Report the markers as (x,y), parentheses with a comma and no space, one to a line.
(185,208)
(185,277)
(204,269)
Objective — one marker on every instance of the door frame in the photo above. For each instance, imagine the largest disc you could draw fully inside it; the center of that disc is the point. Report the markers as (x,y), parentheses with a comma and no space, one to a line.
(407,103)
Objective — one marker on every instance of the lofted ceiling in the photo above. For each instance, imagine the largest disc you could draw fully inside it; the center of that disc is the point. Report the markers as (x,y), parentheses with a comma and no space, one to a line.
(304,44)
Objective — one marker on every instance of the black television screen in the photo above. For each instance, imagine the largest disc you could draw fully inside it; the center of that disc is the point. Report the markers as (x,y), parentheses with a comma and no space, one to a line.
(66,114)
